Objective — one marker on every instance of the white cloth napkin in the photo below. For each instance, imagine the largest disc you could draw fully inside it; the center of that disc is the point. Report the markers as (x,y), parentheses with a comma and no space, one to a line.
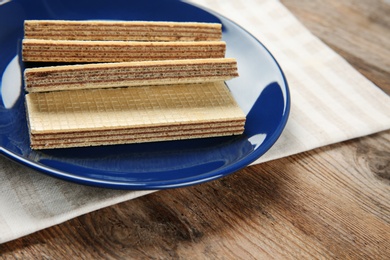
(331,102)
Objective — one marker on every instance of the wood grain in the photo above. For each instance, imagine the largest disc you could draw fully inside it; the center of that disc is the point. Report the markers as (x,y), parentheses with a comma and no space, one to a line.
(357,30)
(329,203)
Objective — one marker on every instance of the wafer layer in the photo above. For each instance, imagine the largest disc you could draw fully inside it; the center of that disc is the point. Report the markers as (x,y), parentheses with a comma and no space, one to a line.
(106,75)
(34,50)
(131,115)
(121,31)
(144,131)
(107,139)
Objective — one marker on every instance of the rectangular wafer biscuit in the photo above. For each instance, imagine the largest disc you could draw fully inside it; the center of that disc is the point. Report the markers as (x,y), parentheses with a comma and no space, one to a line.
(105,75)
(36,50)
(121,30)
(119,108)
(130,115)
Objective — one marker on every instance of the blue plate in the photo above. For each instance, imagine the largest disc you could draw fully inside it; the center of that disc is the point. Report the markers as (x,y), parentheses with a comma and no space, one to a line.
(261,91)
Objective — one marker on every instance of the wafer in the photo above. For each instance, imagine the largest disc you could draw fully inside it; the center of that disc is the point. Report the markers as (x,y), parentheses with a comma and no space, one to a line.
(36,50)
(93,117)
(121,30)
(105,75)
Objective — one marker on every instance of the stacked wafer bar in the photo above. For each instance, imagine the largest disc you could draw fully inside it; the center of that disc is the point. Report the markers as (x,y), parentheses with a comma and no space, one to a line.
(105,75)
(37,50)
(131,115)
(121,31)
(151,81)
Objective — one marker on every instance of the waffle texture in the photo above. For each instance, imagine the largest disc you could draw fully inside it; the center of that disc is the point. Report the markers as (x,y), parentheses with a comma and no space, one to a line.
(130,115)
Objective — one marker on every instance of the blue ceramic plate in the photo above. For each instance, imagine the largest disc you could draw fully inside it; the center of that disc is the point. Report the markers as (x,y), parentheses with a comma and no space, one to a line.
(261,91)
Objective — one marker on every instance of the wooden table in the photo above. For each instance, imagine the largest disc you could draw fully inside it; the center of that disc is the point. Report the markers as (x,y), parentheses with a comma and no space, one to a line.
(333,202)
